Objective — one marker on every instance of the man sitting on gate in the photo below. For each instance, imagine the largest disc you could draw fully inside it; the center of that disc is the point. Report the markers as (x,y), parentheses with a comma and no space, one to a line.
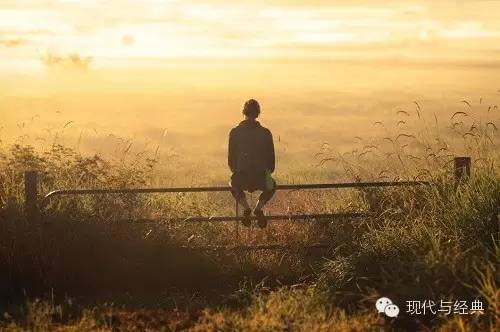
(251,160)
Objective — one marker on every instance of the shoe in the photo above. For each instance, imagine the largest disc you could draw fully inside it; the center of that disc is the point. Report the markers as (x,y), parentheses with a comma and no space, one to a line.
(247,221)
(261,219)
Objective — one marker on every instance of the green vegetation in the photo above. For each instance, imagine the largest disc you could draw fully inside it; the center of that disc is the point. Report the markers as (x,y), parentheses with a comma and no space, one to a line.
(436,242)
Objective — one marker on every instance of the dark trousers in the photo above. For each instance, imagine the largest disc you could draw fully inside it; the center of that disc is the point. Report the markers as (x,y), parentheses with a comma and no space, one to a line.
(250,182)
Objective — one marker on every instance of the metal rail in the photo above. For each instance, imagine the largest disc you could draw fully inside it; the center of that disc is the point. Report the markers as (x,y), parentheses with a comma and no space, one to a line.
(51,194)
(32,206)
(304,217)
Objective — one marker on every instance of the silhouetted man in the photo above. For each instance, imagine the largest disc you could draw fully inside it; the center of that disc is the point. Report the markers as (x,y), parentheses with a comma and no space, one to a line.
(251,160)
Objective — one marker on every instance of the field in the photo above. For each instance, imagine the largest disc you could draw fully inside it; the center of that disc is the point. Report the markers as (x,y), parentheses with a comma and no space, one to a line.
(85,265)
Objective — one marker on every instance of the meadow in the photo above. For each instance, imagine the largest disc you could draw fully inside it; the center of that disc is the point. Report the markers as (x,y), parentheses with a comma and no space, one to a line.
(85,265)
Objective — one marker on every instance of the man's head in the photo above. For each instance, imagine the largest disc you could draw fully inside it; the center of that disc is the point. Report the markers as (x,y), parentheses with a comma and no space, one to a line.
(251,109)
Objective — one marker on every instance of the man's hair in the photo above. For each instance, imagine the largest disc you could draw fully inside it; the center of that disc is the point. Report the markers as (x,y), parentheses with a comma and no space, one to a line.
(251,108)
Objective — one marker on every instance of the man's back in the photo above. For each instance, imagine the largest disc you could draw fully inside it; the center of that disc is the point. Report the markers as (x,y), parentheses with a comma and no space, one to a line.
(251,148)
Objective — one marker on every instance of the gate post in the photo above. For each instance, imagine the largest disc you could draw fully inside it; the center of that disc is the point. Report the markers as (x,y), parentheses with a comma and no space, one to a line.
(462,168)
(31,195)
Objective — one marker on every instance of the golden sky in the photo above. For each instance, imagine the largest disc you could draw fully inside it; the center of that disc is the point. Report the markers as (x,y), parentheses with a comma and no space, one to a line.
(37,33)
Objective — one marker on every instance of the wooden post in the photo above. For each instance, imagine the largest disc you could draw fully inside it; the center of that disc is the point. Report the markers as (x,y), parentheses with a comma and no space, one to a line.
(462,168)
(31,195)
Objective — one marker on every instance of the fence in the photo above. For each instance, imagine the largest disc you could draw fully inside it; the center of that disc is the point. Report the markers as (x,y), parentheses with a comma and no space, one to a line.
(462,170)
(462,167)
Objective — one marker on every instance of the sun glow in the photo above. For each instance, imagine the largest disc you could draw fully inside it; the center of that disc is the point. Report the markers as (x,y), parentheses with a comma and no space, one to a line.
(261,29)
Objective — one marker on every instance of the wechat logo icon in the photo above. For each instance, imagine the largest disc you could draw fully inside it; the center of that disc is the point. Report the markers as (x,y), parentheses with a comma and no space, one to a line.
(385,305)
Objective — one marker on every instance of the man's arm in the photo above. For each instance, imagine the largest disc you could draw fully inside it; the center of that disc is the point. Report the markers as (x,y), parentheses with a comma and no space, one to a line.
(231,152)
(271,158)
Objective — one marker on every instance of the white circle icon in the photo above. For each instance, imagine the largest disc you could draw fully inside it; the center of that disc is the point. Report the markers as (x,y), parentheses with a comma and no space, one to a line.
(382,303)
(392,310)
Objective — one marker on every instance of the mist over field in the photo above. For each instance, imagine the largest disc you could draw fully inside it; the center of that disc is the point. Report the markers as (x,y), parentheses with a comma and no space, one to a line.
(183,113)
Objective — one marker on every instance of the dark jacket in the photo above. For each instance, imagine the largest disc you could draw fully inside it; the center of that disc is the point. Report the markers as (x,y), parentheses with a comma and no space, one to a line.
(251,148)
